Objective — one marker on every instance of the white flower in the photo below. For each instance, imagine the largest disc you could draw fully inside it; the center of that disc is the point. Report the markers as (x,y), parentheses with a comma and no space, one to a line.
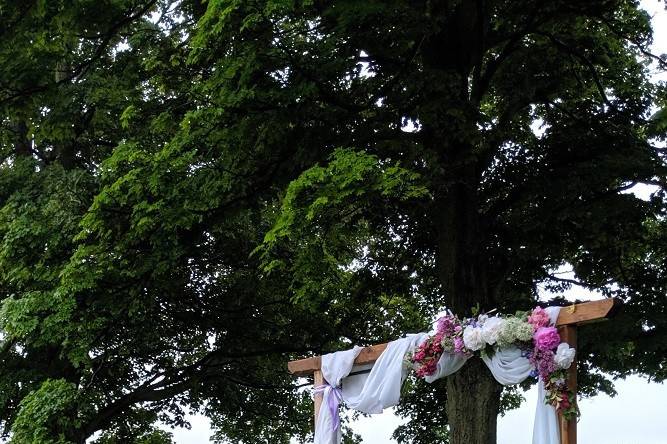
(472,338)
(491,329)
(481,319)
(564,355)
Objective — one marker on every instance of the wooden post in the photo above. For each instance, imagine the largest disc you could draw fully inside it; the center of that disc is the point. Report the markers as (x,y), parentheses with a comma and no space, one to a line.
(568,429)
(317,399)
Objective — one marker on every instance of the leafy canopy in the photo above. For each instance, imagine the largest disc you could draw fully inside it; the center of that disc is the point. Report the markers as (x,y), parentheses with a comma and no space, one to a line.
(193,193)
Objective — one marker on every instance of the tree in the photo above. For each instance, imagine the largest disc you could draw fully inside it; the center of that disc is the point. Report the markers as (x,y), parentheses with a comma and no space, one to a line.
(506,205)
(129,294)
(192,193)
(136,182)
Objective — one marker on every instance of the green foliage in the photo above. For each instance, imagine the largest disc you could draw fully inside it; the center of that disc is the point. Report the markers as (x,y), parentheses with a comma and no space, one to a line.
(51,407)
(425,404)
(178,218)
(658,124)
(323,220)
(143,435)
(266,414)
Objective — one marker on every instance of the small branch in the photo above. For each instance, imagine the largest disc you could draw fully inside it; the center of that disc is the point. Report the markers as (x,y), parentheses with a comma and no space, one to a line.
(578,283)
(662,63)
(591,67)
(83,68)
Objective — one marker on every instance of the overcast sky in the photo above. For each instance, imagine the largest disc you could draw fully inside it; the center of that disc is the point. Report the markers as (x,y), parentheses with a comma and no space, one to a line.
(637,415)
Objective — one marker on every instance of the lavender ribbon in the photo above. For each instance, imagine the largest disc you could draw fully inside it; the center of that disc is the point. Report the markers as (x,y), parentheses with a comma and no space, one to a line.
(333,401)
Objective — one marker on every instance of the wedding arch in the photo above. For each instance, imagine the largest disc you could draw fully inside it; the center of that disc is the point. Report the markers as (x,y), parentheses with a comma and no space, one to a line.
(335,378)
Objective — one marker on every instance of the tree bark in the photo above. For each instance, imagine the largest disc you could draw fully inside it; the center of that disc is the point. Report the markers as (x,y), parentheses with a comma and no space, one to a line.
(65,150)
(473,400)
(451,57)
(473,396)
(21,140)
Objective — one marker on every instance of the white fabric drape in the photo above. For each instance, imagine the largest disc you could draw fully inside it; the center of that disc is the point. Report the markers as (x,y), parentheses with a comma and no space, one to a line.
(369,392)
(335,366)
(545,426)
(553,314)
(381,388)
(508,366)
(447,364)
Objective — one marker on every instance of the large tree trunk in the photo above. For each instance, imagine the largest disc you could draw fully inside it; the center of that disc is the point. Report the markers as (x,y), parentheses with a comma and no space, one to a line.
(473,396)
(450,127)
(473,399)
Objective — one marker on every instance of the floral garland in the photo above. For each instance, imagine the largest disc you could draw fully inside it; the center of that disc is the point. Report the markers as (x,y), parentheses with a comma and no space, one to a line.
(528,331)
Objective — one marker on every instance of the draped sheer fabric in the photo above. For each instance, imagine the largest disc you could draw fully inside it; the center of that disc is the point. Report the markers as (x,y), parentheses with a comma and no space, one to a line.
(380,388)
(545,425)
(508,366)
(447,364)
(335,367)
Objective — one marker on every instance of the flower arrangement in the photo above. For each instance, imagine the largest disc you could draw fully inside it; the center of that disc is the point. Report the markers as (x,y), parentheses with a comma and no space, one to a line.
(531,332)
(448,338)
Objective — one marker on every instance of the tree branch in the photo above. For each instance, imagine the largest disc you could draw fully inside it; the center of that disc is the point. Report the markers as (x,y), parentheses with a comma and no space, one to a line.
(591,67)
(83,68)
(578,283)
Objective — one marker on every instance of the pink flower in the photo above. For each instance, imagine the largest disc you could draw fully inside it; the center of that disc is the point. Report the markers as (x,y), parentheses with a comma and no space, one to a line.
(565,401)
(421,371)
(546,338)
(539,318)
(427,368)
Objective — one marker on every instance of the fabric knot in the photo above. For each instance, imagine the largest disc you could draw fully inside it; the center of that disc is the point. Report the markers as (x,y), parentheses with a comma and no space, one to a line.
(335,396)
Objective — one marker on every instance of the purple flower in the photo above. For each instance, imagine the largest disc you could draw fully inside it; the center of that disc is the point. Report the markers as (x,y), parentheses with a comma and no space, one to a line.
(458,344)
(544,363)
(446,325)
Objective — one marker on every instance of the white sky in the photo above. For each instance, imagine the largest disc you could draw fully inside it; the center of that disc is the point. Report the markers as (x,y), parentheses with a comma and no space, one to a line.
(637,415)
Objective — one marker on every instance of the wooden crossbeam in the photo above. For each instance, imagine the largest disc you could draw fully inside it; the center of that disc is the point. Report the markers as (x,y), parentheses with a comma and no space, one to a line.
(576,314)
(305,367)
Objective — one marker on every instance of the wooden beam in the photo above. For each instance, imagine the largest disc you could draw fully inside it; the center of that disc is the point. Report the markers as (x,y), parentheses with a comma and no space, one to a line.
(317,399)
(587,312)
(575,314)
(305,367)
(568,429)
